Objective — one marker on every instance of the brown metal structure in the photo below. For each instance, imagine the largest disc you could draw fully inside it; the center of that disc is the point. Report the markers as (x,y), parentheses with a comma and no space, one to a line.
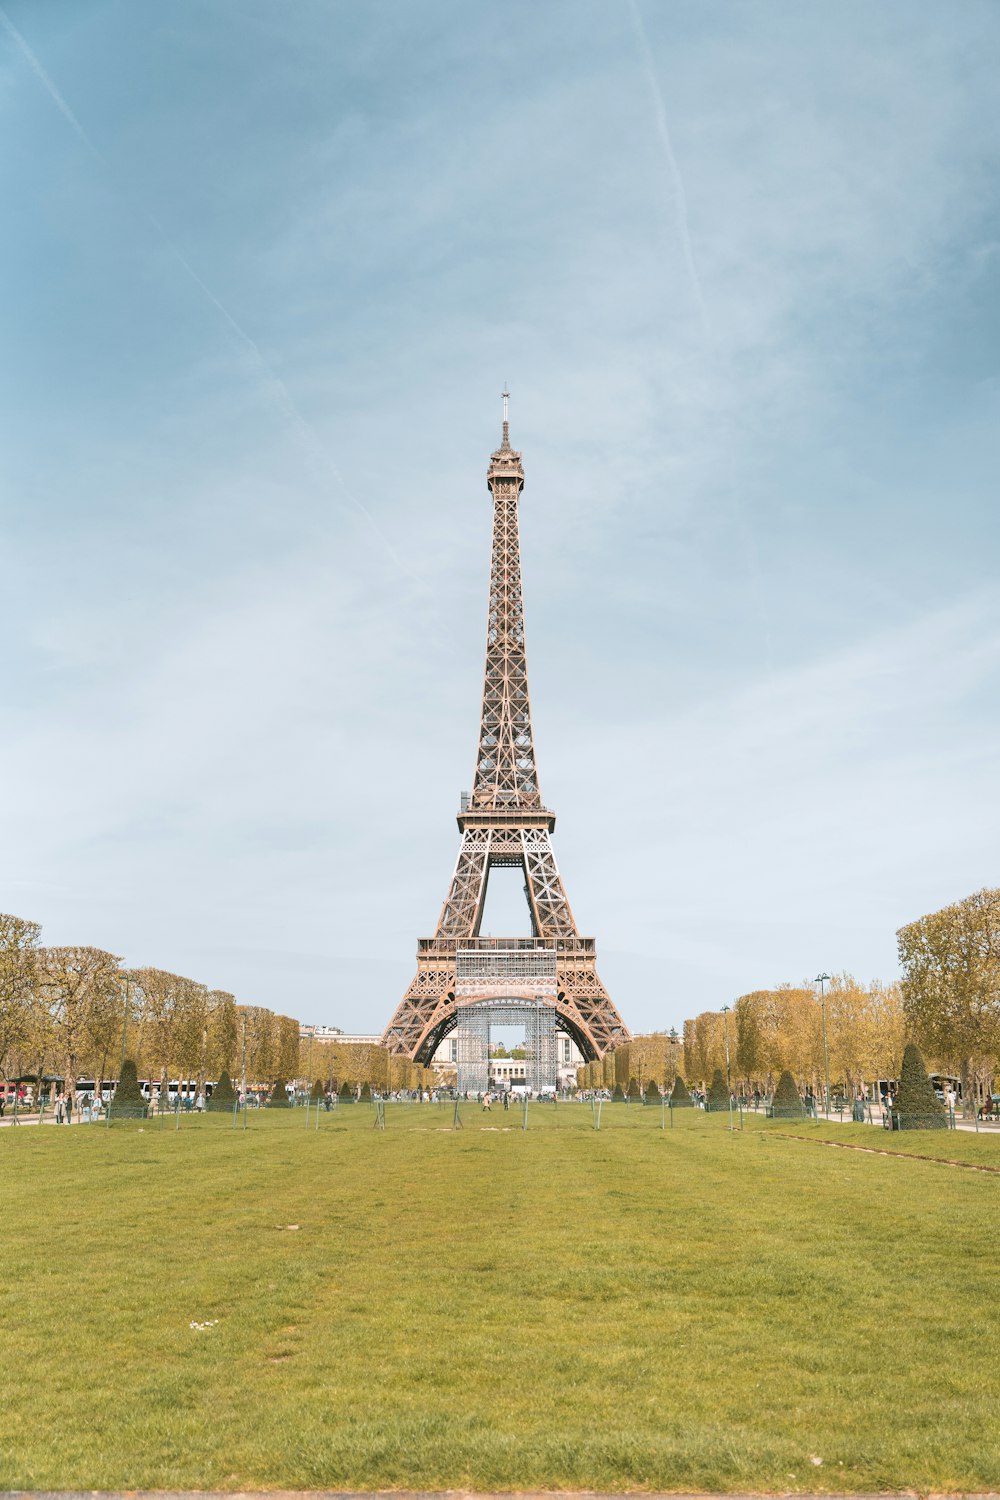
(503,822)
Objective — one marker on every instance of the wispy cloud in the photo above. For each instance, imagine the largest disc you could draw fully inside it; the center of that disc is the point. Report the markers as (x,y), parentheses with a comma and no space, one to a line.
(275,386)
(673,170)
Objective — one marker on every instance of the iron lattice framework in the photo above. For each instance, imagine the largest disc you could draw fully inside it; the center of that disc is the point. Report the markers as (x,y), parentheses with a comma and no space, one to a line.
(504,822)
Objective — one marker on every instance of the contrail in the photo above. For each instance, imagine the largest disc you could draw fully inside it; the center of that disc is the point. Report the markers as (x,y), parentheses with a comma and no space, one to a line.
(46,81)
(279,391)
(677,181)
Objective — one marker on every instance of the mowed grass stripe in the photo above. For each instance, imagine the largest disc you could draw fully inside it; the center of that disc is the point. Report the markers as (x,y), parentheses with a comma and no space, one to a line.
(494,1309)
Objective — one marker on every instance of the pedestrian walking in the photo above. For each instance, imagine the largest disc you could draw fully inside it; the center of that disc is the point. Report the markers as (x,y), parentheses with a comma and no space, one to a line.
(59,1109)
(69,1109)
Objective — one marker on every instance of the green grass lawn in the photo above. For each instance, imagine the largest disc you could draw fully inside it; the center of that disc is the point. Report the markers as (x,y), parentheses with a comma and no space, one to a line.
(494,1309)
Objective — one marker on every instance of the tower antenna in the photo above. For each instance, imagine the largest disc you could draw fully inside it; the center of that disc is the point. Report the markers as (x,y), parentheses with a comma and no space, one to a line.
(506,424)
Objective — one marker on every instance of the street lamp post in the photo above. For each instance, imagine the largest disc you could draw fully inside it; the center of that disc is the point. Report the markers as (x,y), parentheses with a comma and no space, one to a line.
(125,1035)
(729,1080)
(725,1021)
(821,980)
(673,1039)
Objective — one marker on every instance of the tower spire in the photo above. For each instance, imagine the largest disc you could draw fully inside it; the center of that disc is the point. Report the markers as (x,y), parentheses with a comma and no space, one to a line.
(506,424)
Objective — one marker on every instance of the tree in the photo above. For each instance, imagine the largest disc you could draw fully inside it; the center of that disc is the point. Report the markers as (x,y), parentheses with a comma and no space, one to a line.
(951,985)
(288,1046)
(317,1090)
(718,1094)
(366,1093)
(618,1097)
(157,992)
(652,1092)
(77,986)
(749,1012)
(279,1095)
(633,1089)
(346,1092)
(224,1033)
(19,1016)
(679,1096)
(916,1105)
(786,1104)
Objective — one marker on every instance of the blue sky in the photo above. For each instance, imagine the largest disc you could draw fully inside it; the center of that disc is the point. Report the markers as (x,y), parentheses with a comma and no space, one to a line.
(265,270)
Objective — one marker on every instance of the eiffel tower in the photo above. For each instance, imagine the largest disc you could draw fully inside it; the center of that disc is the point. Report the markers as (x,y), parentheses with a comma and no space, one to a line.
(503,822)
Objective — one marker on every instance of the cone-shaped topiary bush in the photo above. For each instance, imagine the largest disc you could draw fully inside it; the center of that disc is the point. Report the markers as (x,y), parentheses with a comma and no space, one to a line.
(366,1093)
(618,1096)
(786,1104)
(633,1089)
(279,1095)
(223,1095)
(718,1094)
(652,1092)
(346,1092)
(679,1096)
(128,1103)
(317,1089)
(916,1106)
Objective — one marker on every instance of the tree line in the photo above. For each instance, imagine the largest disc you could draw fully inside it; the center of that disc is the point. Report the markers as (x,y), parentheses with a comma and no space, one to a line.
(331,1064)
(947,1001)
(68,1013)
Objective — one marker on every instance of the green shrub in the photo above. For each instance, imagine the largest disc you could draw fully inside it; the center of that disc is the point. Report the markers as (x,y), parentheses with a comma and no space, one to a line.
(317,1089)
(346,1092)
(618,1096)
(223,1095)
(916,1106)
(633,1089)
(279,1095)
(128,1103)
(718,1093)
(786,1104)
(652,1092)
(366,1093)
(679,1096)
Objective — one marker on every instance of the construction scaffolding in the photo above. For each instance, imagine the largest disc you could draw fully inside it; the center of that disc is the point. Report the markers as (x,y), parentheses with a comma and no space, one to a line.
(472,1041)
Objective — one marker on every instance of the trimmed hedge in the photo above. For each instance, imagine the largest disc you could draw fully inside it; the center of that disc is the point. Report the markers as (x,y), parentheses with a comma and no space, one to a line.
(366,1093)
(128,1103)
(633,1089)
(652,1092)
(346,1092)
(317,1089)
(618,1096)
(916,1106)
(679,1096)
(718,1094)
(223,1095)
(279,1095)
(786,1104)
